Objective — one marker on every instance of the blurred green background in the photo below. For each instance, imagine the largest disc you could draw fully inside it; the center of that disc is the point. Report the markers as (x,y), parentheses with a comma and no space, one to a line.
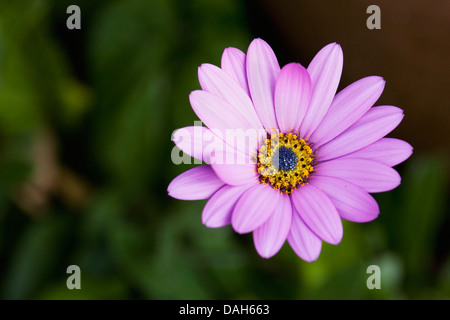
(86,118)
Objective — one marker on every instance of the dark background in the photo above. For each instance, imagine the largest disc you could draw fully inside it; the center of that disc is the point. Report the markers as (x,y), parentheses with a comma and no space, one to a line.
(86,118)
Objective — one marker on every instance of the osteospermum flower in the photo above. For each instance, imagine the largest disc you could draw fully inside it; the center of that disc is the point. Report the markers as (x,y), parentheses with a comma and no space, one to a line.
(313,160)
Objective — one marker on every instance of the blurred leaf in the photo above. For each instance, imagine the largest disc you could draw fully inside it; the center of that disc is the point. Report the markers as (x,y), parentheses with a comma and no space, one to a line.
(13,172)
(345,283)
(443,281)
(34,258)
(36,86)
(91,289)
(129,48)
(425,193)
(332,263)
(180,267)
(391,274)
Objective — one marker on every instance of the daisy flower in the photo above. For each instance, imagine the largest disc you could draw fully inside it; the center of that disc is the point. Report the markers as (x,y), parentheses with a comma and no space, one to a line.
(300,158)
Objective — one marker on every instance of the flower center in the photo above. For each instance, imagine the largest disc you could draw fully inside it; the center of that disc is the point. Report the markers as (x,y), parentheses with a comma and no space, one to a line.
(284,159)
(285,162)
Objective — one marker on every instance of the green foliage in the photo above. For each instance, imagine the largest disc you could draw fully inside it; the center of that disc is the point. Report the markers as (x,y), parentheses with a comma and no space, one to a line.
(85,163)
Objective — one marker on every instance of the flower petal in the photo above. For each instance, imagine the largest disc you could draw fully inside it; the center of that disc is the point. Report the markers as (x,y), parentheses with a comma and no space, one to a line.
(389,151)
(352,202)
(374,125)
(195,141)
(217,211)
(217,113)
(262,72)
(225,121)
(233,63)
(370,175)
(325,72)
(292,96)
(195,184)
(319,213)
(233,167)
(271,235)
(254,207)
(305,243)
(347,107)
(215,80)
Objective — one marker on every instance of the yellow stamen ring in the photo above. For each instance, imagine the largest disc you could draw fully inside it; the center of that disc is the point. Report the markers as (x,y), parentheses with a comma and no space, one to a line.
(285,162)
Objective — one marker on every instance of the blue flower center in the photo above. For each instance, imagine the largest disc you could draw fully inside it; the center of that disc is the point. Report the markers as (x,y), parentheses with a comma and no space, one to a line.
(284,159)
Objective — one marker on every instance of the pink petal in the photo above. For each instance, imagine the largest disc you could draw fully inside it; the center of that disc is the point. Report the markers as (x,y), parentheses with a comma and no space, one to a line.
(234,168)
(218,209)
(325,72)
(370,175)
(347,107)
(292,95)
(195,184)
(195,141)
(215,80)
(262,73)
(217,113)
(319,213)
(271,235)
(254,207)
(226,121)
(352,202)
(305,243)
(374,125)
(233,63)
(389,151)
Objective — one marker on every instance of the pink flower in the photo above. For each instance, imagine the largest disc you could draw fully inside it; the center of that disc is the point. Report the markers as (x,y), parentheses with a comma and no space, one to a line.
(319,156)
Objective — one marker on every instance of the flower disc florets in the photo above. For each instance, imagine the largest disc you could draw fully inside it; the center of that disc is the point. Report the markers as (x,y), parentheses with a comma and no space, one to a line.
(285,162)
